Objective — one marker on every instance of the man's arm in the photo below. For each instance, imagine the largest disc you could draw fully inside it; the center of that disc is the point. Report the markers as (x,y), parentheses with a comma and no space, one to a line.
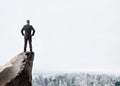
(22,31)
(33,31)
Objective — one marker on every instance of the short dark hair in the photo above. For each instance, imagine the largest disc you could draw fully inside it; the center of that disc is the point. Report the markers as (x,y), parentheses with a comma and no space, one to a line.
(28,21)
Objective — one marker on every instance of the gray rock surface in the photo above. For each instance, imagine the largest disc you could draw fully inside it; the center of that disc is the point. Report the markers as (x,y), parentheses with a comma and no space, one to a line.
(18,72)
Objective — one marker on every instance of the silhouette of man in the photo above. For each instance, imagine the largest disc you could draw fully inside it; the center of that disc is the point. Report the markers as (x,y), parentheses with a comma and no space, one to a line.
(28,31)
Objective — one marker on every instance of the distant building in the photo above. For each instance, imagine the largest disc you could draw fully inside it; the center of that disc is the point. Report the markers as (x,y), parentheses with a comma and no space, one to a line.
(117,84)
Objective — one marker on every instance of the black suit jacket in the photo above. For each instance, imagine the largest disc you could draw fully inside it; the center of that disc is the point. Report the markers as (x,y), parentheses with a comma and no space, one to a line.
(28,31)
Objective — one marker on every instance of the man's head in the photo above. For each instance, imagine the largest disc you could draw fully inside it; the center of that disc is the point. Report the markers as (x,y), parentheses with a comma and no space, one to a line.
(28,21)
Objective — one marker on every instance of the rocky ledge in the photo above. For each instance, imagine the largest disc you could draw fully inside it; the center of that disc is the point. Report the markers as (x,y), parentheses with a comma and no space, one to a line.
(18,71)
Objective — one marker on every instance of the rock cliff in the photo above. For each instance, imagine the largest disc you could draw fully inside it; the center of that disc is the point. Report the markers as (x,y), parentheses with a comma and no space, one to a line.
(17,72)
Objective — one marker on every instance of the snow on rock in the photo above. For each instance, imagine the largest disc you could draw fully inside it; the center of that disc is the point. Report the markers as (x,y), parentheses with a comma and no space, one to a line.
(12,73)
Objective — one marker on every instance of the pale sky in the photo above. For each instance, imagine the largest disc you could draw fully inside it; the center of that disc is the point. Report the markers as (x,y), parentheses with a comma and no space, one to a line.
(71,35)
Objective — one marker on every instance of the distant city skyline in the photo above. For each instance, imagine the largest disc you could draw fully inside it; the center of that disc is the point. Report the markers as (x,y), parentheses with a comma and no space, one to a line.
(76,79)
(71,35)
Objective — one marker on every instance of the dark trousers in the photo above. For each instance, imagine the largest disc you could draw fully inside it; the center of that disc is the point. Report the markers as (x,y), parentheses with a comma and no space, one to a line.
(30,43)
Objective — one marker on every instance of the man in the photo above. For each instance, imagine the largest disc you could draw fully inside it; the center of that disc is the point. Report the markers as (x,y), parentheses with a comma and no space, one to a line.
(28,31)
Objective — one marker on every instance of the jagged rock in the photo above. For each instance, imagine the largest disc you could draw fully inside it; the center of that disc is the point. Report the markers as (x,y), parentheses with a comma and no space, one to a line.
(18,72)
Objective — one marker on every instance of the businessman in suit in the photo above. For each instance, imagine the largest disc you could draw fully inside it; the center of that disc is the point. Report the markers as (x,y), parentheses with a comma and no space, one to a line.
(28,31)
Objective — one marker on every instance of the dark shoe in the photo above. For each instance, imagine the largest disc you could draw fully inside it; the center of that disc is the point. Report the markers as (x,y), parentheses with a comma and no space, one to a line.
(30,50)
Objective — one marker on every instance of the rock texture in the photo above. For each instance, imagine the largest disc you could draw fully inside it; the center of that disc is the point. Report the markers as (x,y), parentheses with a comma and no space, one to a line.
(18,72)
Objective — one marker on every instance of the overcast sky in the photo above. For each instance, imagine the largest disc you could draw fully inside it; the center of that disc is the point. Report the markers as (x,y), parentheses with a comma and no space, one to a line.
(71,35)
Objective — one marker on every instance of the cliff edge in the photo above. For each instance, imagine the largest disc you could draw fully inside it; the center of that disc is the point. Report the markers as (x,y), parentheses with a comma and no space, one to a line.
(18,71)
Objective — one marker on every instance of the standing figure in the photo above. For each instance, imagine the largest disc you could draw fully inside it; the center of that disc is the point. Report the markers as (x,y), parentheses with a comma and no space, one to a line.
(28,31)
